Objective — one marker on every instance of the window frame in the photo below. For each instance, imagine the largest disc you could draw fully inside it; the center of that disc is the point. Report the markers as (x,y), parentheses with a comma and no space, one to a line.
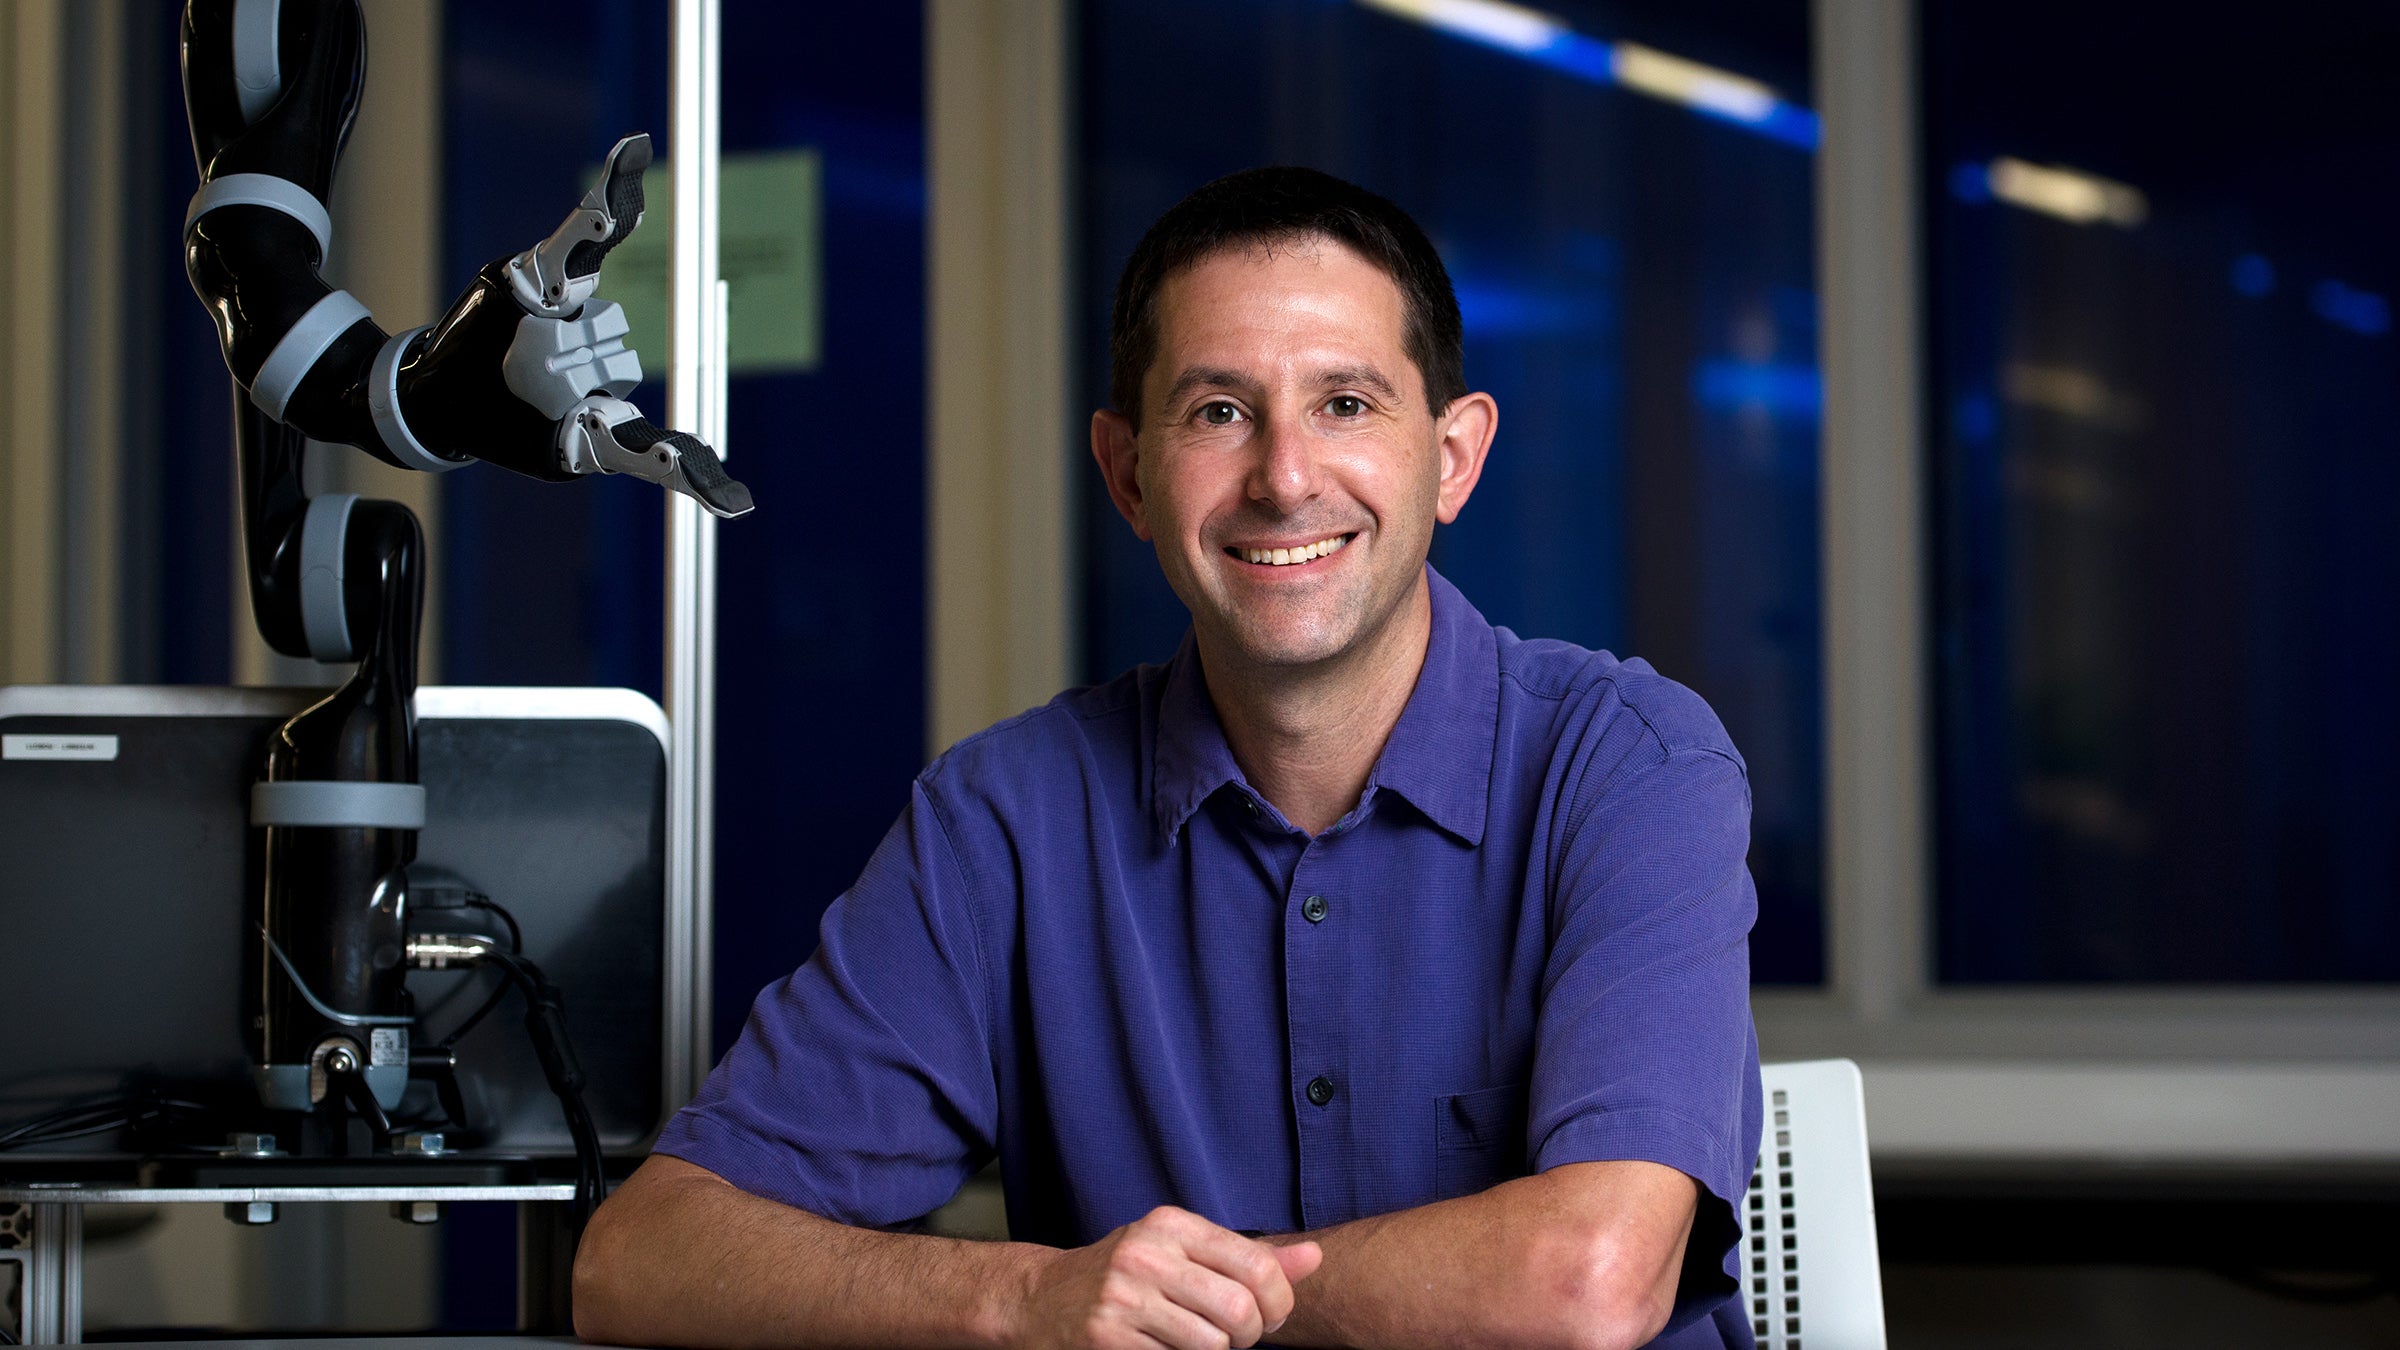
(2218,1075)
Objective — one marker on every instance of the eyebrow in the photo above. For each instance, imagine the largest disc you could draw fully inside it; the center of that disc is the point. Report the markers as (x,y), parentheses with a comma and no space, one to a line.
(1363,377)
(1196,378)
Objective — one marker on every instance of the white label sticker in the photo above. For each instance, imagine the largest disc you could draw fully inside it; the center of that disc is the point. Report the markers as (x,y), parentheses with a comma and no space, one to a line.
(58,745)
(386,1047)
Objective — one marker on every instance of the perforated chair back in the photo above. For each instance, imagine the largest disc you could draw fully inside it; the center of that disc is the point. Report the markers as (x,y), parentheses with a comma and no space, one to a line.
(1812,1276)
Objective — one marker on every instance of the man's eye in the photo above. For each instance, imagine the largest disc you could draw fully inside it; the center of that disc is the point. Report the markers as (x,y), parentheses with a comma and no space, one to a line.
(1220,413)
(1345,405)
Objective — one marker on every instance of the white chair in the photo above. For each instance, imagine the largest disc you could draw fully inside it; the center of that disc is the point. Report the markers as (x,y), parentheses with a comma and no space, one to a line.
(1811,1275)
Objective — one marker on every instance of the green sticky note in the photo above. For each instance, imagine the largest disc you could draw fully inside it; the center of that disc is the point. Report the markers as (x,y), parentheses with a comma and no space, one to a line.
(769,219)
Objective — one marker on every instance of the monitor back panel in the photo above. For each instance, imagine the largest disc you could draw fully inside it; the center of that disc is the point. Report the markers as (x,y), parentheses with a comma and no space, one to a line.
(126,860)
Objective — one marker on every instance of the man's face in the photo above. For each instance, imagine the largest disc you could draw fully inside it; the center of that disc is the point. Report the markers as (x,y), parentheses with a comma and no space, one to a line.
(1288,469)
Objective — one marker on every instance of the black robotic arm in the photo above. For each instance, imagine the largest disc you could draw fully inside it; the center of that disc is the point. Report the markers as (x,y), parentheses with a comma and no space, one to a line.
(527,369)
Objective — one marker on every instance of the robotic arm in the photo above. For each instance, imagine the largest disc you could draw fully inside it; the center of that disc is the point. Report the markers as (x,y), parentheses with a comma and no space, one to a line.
(526,370)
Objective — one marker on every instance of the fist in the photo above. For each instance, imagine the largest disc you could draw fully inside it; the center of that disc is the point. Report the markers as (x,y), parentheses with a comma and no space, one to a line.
(1170,1277)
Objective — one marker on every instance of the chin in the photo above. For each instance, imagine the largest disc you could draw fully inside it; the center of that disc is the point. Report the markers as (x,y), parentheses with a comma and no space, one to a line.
(1287,649)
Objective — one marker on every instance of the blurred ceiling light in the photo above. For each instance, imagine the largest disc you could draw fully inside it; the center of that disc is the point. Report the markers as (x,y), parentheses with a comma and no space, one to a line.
(1551,41)
(1493,22)
(2069,194)
(1707,88)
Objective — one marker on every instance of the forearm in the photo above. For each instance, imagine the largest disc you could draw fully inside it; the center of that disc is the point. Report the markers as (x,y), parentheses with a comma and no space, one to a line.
(1580,1257)
(680,1257)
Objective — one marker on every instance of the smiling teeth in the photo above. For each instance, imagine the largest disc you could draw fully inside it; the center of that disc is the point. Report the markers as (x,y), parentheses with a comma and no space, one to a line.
(1285,557)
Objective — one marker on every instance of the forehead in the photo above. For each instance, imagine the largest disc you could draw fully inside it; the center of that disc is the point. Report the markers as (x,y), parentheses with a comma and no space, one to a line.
(1279,302)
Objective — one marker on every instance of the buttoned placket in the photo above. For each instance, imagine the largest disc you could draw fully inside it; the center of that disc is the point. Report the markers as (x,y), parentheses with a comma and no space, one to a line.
(1319,1024)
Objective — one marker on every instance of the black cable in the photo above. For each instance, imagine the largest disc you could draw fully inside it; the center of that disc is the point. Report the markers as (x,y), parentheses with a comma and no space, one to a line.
(2337,1292)
(96,1117)
(516,946)
(516,935)
(500,988)
(546,1023)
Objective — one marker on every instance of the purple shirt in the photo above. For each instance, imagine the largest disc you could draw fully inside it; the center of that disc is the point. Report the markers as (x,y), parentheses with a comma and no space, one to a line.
(1088,947)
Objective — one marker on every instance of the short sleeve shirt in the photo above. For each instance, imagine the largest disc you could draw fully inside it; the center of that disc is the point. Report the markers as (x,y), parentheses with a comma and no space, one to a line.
(1090,949)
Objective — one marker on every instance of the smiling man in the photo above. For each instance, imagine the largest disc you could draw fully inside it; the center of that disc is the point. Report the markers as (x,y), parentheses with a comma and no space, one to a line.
(1366,975)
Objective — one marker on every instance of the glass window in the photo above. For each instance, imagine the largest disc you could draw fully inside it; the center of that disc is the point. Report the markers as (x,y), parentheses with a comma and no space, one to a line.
(1623,195)
(2165,385)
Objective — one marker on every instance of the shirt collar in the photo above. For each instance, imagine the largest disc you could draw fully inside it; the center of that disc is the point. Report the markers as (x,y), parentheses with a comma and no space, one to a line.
(1439,756)
(1440,753)
(1191,759)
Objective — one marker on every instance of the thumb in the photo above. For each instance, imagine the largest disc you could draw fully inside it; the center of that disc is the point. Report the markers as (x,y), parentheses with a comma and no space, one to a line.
(1300,1260)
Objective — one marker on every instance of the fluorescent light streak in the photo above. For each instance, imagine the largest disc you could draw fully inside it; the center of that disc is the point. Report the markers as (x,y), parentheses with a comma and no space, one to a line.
(1703,88)
(2362,312)
(1493,23)
(2253,276)
(2068,194)
(1785,390)
(1490,309)
(2075,393)
(1549,40)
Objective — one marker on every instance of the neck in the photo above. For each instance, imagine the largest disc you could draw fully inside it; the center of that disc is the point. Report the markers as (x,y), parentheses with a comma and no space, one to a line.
(1307,737)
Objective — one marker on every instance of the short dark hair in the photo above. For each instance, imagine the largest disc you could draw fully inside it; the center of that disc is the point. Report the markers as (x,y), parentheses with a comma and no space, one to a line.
(1282,204)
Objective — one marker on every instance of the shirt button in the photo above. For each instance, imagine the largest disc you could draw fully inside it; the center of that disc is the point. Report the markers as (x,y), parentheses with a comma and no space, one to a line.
(1320,1090)
(1313,909)
(1250,806)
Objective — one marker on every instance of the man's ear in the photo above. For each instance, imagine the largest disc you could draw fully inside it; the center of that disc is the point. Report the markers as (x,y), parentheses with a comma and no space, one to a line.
(1119,458)
(1466,429)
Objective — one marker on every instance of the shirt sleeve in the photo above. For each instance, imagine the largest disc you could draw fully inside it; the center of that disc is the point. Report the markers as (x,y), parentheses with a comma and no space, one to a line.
(1644,1047)
(861,1088)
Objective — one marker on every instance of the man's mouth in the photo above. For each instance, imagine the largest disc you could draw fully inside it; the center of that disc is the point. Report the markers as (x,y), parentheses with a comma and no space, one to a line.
(1287,557)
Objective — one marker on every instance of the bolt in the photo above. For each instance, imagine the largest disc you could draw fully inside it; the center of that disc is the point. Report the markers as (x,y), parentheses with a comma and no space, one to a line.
(419,1145)
(251,1213)
(417,1211)
(341,1060)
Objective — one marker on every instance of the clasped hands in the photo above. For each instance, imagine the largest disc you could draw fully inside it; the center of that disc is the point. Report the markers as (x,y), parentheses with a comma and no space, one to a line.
(1170,1277)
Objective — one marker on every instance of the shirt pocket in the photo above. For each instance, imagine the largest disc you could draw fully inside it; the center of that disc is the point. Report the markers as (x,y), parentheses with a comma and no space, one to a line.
(1478,1140)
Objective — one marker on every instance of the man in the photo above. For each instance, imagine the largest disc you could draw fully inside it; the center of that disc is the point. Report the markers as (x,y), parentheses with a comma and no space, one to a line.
(1365,976)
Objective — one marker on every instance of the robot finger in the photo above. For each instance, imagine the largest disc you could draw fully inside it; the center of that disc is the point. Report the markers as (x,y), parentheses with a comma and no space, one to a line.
(608,435)
(555,277)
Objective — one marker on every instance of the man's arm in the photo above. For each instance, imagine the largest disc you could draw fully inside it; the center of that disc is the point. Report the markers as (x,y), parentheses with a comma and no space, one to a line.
(1582,1257)
(679,1256)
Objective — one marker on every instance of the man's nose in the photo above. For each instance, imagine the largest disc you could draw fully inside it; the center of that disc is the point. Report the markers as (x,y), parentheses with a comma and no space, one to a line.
(1288,470)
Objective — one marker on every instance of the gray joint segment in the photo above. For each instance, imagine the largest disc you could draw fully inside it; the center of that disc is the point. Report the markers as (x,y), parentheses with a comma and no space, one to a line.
(300,348)
(555,364)
(257,66)
(267,190)
(383,403)
(323,615)
(341,805)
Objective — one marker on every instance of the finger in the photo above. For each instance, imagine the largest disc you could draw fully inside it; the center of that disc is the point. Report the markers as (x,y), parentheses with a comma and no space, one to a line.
(1300,1260)
(1169,1321)
(1227,1303)
(1252,1264)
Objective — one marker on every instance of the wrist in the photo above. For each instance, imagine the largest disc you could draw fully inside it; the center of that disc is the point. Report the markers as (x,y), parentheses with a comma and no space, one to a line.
(1004,1308)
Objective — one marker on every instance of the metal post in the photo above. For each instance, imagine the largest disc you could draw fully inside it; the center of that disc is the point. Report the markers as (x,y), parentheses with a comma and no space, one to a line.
(53,1294)
(1874,549)
(694,400)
